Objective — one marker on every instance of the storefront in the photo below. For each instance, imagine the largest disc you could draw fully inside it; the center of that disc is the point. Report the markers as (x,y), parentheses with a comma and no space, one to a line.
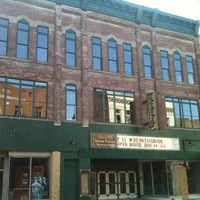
(139,167)
(27,175)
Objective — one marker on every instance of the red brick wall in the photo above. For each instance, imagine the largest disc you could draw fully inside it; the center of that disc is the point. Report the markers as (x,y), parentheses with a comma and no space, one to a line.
(87,24)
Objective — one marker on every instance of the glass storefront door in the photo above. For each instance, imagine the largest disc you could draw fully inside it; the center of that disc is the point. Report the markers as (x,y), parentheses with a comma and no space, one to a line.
(116,185)
(29,178)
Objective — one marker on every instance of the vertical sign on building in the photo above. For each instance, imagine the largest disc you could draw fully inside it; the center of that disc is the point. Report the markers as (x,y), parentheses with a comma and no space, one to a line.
(150,102)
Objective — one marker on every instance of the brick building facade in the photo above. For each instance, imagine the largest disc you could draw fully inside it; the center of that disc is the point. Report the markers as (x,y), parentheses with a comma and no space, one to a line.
(98,100)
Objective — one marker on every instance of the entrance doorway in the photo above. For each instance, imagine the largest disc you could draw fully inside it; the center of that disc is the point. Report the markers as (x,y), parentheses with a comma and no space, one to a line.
(114,185)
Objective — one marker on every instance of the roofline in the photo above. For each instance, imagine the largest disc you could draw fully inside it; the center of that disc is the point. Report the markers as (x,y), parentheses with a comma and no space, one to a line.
(136,13)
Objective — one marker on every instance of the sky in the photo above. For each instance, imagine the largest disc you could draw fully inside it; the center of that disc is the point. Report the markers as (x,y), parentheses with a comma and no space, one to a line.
(184,8)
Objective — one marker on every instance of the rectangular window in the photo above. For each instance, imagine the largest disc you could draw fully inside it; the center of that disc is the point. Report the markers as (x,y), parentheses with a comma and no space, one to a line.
(114,106)
(190,69)
(165,65)
(70,48)
(182,113)
(96,54)
(178,67)
(3,36)
(128,65)
(147,62)
(23,98)
(42,44)
(70,102)
(112,56)
(29,178)
(22,39)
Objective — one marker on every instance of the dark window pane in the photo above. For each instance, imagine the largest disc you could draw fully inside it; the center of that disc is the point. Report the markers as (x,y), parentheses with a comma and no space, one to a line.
(21,51)
(3,47)
(42,55)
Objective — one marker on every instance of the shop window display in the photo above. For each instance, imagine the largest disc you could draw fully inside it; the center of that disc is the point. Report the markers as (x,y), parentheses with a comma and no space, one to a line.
(29,178)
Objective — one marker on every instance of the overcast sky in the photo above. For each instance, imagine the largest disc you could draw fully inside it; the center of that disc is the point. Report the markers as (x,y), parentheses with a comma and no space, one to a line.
(185,8)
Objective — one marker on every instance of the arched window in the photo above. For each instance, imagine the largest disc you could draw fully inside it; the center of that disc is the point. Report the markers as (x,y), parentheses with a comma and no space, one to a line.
(177,67)
(164,59)
(70,101)
(96,53)
(22,39)
(42,43)
(190,69)
(112,55)
(128,63)
(70,58)
(147,61)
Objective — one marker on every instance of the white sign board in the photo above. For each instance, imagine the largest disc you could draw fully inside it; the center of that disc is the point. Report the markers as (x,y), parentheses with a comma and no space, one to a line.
(147,143)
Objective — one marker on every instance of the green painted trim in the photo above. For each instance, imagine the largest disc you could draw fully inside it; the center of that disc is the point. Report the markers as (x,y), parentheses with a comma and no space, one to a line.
(136,13)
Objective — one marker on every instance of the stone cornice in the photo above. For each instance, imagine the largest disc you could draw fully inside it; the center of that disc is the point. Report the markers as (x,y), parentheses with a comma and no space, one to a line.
(136,13)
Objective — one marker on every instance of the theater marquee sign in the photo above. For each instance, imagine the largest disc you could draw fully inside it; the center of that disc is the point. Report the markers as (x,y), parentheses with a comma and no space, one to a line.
(133,142)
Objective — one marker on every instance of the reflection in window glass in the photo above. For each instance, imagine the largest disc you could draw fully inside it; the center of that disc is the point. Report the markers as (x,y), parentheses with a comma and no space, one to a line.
(182,113)
(190,69)
(147,62)
(178,67)
(155,178)
(113,106)
(3,36)
(96,53)
(165,65)
(70,58)
(70,102)
(23,98)
(112,55)
(29,178)
(128,59)
(22,39)
(42,44)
